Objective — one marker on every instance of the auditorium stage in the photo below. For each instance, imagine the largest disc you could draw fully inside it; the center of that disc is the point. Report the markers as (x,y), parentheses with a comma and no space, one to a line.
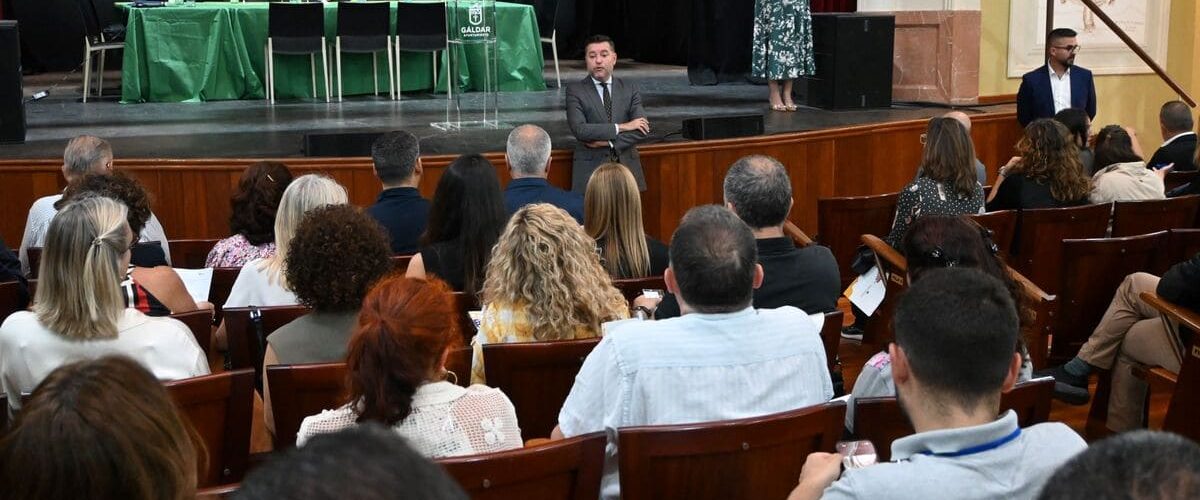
(249,129)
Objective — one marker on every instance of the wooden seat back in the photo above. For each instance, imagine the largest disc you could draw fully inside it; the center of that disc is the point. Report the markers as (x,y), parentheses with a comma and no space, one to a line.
(464,304)
(894,269)
(881,421)
(536,377)
(35,260)
(220,408)
(298,391)
(190,254)
(458,362)
(218,291)
(1182,244)
(14,296)
(1131,218)
(568,469)
(246,348)
(1038,247)
(758,457)
(200,323)
(1002,224)
(1092,270)
(400,263)
(1176,179)
(632,287)
(831,338)
(841,222)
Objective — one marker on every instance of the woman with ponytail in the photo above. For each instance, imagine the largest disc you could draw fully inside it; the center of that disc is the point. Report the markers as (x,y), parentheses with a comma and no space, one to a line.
(398,378)
(79,313)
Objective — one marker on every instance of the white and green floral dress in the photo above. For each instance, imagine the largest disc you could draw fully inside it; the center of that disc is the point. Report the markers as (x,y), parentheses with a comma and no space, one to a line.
(783,44)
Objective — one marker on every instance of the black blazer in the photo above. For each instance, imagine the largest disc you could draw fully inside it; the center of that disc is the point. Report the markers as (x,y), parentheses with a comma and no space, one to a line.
(1181,152)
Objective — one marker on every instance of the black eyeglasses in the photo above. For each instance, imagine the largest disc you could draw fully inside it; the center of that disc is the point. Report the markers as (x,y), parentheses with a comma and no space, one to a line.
(1069,48)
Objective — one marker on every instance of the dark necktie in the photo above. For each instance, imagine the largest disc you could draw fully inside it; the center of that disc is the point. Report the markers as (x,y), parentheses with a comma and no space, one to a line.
(607,101)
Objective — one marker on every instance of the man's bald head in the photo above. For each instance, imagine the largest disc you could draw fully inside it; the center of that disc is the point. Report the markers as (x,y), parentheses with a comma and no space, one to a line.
(961,117)
(528,151)
(86,154)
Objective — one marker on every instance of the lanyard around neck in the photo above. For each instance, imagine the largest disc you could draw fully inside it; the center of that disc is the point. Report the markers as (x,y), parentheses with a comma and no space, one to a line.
(980,448)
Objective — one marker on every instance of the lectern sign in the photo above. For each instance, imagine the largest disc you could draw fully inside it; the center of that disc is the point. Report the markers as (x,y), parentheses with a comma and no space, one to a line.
(471,33)
(473,20)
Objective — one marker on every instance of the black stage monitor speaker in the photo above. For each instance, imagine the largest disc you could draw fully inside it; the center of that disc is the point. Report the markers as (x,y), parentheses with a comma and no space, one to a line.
(722,127)
(340,145)
(853,54)
(12,98)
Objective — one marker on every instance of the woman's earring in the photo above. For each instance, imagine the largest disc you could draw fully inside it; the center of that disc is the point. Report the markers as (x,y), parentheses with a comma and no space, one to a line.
(450,376)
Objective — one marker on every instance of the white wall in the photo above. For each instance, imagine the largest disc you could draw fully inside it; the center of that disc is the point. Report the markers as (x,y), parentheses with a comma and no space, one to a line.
(909,5)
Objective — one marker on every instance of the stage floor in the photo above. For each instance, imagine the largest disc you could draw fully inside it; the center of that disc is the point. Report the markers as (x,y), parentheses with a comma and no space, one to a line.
(251,129)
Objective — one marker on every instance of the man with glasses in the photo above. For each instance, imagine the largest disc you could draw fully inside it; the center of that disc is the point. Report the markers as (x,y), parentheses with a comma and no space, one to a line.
(1058,85)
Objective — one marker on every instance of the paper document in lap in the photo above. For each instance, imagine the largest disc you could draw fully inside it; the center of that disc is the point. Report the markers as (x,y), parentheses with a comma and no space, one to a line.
(867,291)
(197,282)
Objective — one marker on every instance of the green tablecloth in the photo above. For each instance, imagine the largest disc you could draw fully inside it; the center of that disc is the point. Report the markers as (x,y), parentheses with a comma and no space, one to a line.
(215,51)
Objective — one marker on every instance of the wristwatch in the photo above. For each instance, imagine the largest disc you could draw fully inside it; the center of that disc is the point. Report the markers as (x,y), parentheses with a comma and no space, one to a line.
(643,313)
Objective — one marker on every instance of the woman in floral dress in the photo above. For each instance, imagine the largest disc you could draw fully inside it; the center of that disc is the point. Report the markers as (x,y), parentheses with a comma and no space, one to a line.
(783,47)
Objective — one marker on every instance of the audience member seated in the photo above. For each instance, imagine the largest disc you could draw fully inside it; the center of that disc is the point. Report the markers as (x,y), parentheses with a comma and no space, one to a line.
(1079,124)
(263,282)
(936,242)
(398,377)
(722,359)
(368,462)
(103,428)
(84,154)
(1122,175)
(252,216)
(528,156)
(544,282)
(1141,465)
(965,120)
(1179,149)
(1131,333)
(613,217)
(78,312)
(1047,174)
(954,354)
(465,220)
(335,257)
(946,185)
(400,209)
(151,285)
(758,190)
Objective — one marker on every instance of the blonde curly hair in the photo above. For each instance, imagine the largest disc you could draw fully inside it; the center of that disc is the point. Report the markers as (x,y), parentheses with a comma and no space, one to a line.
(546,261)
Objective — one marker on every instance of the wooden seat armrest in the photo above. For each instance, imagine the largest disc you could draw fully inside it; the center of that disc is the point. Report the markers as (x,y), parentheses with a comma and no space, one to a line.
(796,234)
(1031,289)
(1182,315)
(886,254)
(1160,379)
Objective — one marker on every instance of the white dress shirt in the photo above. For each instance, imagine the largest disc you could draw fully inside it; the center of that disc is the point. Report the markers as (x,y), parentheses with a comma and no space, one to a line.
(1060,87)
(42,212)
(695,368)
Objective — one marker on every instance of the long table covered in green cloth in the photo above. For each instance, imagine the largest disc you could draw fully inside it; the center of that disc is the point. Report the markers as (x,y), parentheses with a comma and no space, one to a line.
(215,51)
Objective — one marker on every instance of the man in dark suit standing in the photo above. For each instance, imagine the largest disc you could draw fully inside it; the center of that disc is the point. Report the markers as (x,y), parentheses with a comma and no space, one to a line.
(1175,123)
(1059,84)
(605,114)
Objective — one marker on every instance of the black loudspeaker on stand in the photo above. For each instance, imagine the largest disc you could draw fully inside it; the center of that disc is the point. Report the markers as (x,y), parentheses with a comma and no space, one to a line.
(853,54)
(12,104)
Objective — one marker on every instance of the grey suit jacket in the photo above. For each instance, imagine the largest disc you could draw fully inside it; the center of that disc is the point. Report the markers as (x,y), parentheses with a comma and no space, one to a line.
(586,117)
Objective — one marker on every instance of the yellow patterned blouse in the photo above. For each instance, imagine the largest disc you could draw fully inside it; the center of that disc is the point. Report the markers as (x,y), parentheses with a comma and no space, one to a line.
(506,323)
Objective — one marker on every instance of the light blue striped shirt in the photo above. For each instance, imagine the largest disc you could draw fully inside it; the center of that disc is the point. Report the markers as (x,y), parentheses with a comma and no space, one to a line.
(696,368)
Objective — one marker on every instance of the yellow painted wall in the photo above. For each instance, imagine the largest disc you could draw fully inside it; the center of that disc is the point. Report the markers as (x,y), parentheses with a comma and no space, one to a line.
(1126,99)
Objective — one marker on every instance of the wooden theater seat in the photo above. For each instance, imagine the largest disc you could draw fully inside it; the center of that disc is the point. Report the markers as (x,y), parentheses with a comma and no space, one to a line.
(1038,247)
(536,377)
(11,298)
(1182,244)
(632,287)
(35,260)
(200,322)
(881,421)
(400,263)
(246,347)
(1002,224)
(1131,218)
(218,291)
(190,254)
(757,457)
(841,221)
(831,339)
(298,391)
(1091,272)
(568,469)
(220,407)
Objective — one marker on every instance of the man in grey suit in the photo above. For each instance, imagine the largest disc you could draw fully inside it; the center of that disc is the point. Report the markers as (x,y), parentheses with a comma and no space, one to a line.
(605,114)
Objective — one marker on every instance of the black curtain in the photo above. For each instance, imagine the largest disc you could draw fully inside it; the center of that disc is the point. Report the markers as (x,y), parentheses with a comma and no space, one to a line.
(51,34)
(721,34)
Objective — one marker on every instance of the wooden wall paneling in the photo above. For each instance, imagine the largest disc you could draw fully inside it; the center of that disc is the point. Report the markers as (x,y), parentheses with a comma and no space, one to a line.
(191,195)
